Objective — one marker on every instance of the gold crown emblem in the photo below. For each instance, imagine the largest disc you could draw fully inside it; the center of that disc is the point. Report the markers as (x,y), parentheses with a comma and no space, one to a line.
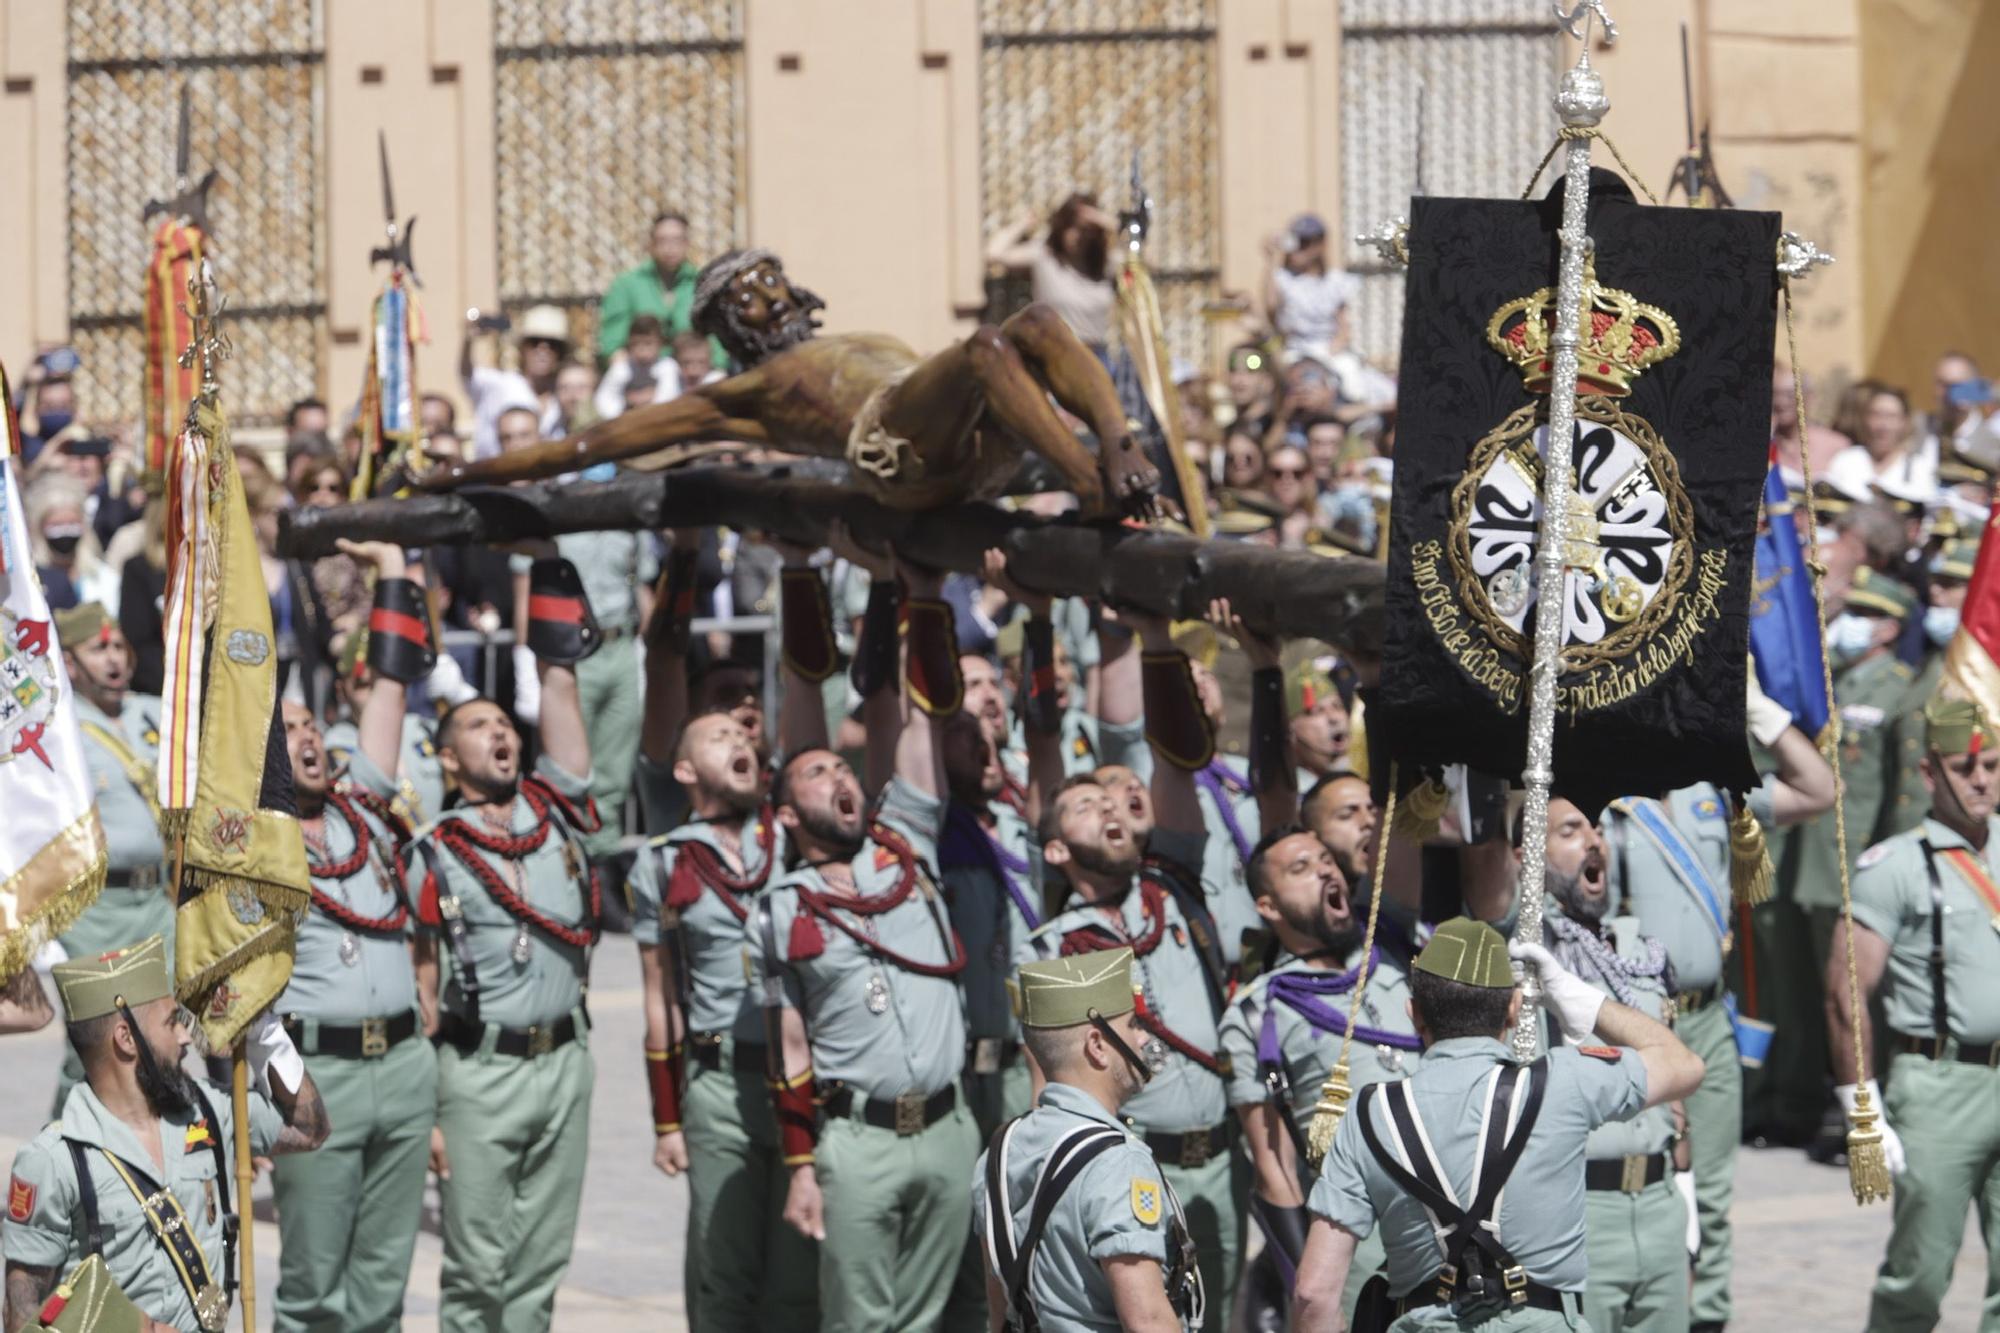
(1619,336)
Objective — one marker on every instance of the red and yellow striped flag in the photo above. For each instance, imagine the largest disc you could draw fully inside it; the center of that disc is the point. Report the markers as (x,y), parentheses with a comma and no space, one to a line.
(170,387)
(1972,658)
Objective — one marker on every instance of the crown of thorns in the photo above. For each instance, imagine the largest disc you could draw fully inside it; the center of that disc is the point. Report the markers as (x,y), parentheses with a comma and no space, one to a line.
(719,272)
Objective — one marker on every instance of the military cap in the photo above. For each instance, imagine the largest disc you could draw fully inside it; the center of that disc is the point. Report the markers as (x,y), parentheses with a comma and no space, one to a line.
(1011,639)
(1954,558)
(1956,726)
(1063,992)
(1306,687)
(93,987)
(88,1301)
(1903,497)
(1469,952)
(1829,500)
(1955,469)
(1880,594)
(82,623)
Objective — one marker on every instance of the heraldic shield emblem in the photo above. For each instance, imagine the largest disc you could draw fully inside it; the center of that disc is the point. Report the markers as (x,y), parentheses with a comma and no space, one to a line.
(1678,318)
(31,683)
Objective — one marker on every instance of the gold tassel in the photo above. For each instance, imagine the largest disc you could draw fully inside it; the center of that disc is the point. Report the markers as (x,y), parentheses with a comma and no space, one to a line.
(1867,1168)
(1749,859)
(1420,810)
(1334,1094)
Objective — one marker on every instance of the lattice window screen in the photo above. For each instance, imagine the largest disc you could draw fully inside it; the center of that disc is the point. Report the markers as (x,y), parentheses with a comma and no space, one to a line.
(1068,89)
(1488,71)
(610,112)
(253,67)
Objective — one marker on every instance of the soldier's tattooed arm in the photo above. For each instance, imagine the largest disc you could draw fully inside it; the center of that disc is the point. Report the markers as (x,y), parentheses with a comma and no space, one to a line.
(24,1005)
(306,1123)
(27,1288)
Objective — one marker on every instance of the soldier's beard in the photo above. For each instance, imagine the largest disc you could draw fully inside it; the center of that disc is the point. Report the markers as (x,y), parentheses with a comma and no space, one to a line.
(827,829)
(163,1083)
(1568,891)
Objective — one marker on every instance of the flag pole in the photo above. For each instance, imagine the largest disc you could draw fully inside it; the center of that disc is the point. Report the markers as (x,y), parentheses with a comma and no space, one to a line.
(1580,103)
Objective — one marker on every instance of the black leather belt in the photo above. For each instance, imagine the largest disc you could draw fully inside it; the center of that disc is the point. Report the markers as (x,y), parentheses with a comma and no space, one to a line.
(1533,1295)
(1190,1148)
(526,1042)
(909,1113)
(134,877)
(371,1038)
(705,1052)
(1688,1001)
(1628,1174)
(1963,1053)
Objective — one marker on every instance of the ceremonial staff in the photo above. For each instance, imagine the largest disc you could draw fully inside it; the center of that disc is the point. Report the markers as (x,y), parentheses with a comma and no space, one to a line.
(1581,104)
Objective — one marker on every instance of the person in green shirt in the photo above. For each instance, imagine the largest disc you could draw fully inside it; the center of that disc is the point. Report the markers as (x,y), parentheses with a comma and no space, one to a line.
(662,287)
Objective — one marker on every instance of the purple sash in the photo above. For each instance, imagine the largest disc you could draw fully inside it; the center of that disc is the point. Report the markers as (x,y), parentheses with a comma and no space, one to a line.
(1301,991)
(967,845)
(1215,778)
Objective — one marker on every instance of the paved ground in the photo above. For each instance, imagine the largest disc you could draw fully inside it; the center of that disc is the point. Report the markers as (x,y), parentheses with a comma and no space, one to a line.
(1805,1253)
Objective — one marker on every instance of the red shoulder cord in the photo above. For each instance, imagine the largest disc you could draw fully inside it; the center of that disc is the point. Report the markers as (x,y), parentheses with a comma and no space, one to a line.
(1157,1026)
(698,866)
(466,841)
(1096,936)
(808,942)
(342,803)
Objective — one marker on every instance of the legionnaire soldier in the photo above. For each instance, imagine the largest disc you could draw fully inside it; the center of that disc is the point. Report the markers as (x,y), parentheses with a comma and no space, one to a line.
(1670,867)
(509,910)
(139,1167)
(121,743)
(858,965)
(1474,1166)
(1118,900)
(1284,1030)
(1927,944)
(348,1214)
(1078,1227)
(418,775)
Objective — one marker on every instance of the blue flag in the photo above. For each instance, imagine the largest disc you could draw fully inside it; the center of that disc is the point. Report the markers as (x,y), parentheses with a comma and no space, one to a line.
(1784,628)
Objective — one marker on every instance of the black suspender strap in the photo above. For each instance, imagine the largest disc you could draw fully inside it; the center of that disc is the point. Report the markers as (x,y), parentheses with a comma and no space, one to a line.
(231,1223)
(1063,1165)
(1940,1011)
(456,937)
(673,936)
(86,1198)
(171,1228)
(1172,877)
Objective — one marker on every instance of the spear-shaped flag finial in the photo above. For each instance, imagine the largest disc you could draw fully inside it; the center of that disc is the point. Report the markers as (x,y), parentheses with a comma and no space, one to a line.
(189,200)
(397,251)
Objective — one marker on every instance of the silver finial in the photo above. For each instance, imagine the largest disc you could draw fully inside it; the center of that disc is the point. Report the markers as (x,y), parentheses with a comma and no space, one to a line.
(1576,22)
(1798,257)
(1389,240)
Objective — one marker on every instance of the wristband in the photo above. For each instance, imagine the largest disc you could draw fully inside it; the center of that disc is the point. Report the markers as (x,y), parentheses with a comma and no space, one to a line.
(1176,726)
(664,1073)
(805,624)
(875,651)
(795,1101)
(561,628)
(399,641)
(1270,760)
(1039,711)
(931,669)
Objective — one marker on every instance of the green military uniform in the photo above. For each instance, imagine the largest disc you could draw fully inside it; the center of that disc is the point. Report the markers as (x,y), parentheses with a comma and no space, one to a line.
(1229,812)
(1184,1112)
(888,1045)
(1540,1214)
(613,566)
(46,1225)
(747,1267)
(514,1071)
(1118,1205)
(1670,866)
(1879,739)
(1281,1052)
(419,787)
(995,902)
(348,1212)
(123,753)
(1943,1097)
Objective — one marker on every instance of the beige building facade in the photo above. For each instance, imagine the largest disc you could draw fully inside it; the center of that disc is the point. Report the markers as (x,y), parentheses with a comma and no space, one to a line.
(875,144)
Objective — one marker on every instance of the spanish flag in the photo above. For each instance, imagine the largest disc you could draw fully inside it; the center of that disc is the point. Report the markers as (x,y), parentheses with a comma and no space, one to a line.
(1972,658)
(52,852)
(170,386)
(225,777)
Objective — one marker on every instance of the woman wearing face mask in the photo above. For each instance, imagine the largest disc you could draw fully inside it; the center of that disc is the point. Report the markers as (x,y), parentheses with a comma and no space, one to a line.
(1951,570)
(67,556)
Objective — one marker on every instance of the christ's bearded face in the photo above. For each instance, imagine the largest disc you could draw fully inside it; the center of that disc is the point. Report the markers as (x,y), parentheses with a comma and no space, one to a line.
(768,313)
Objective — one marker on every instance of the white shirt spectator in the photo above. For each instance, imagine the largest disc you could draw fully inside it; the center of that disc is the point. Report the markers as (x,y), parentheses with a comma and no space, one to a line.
(610,396)
(1310,306)
(1909,472)
(494,391)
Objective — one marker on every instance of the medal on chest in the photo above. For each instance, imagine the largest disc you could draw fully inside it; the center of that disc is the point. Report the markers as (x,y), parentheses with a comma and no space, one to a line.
(875,994)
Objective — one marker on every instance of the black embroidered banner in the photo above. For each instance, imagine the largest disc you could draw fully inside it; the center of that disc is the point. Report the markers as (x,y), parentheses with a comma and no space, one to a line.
(1670,452)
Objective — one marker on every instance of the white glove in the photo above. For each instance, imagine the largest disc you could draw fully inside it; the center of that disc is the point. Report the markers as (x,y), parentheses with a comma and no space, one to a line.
(1892,1142)
(1768,718)
(1573,1001)
(269,1049)
(1684,1183)
(527,686)
(447,682)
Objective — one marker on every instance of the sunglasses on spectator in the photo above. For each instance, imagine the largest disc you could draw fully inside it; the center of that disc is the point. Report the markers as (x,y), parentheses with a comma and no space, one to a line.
(1289,471)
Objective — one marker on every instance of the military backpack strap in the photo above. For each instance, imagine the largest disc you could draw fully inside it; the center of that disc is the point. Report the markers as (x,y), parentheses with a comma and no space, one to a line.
(86,1199)
(1940,1010)
(1064,1164)
(231,1223)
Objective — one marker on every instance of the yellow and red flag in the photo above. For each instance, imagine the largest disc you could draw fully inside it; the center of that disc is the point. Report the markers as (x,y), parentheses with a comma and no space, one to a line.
(170,386)
(1972,658)
(225,777)
(52,850)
